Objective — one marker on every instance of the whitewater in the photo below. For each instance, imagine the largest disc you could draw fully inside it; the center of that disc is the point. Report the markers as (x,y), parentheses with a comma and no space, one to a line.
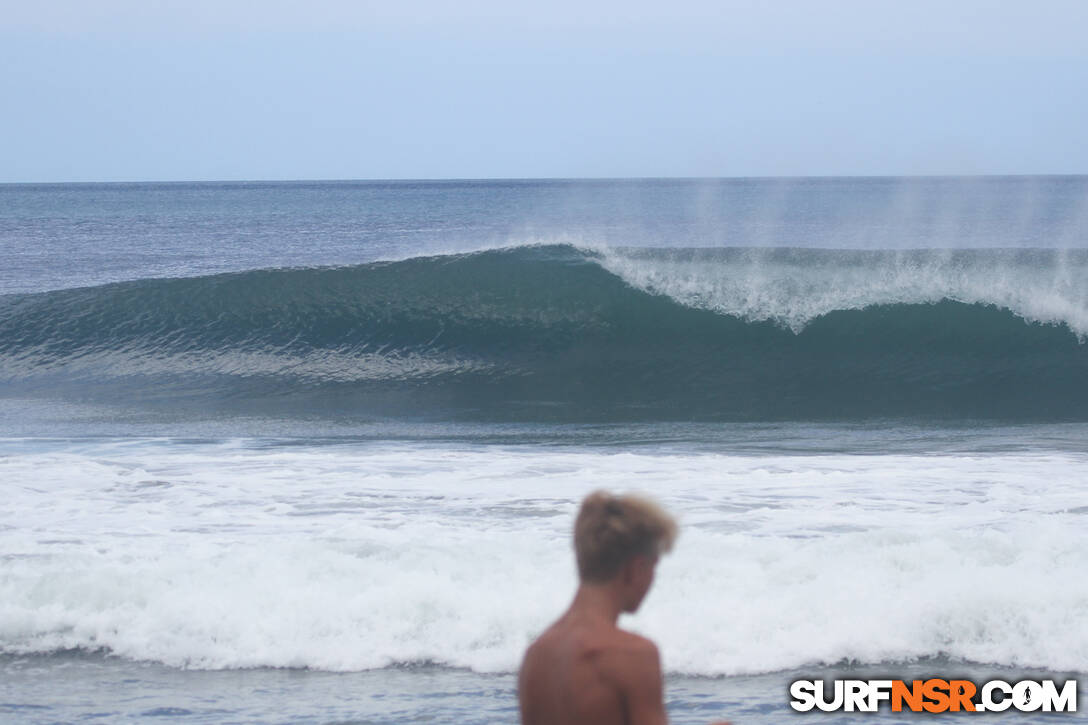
(310,452)
(350,557)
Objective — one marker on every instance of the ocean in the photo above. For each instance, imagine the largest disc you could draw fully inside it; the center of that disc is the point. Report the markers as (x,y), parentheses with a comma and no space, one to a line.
(309,452)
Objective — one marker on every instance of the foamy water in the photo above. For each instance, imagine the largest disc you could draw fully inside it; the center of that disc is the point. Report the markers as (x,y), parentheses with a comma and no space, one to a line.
(355,556)
(794,287)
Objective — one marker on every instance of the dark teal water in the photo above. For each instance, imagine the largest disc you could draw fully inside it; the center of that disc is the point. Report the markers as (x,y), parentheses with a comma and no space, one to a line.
(564,335)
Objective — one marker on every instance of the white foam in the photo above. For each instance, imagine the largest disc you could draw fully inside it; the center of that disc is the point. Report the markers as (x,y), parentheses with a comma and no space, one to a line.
(358,556)
(757,284)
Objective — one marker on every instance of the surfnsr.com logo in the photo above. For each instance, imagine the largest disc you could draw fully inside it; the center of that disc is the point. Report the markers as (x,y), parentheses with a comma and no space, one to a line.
(933,695)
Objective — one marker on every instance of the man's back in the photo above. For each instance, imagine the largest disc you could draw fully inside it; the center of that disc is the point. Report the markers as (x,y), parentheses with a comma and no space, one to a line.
(585,670)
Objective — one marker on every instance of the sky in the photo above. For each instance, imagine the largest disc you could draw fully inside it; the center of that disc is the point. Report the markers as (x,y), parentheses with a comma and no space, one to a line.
(139,90)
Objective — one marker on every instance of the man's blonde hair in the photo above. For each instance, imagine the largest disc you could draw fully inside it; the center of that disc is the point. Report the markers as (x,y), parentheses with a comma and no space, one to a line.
(611,529)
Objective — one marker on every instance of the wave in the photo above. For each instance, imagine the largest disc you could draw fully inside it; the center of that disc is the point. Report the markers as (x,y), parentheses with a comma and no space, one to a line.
(558,332)
(239,554)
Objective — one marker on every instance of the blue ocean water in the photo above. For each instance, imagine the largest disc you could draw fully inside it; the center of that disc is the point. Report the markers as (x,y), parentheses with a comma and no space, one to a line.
(310,451)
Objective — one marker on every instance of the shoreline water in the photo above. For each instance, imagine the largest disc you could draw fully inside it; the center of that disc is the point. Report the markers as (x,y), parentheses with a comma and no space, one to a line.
(98,687)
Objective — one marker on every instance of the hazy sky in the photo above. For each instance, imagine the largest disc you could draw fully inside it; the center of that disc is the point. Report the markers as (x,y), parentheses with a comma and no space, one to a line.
(335,89)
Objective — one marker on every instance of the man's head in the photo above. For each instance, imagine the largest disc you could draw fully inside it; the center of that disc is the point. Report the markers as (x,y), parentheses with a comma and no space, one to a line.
(618,539)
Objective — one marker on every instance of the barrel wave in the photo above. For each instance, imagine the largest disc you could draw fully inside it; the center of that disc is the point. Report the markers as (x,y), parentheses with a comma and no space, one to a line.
(563,333)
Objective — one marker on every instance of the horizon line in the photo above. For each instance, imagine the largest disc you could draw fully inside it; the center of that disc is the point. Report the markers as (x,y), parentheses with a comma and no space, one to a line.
(508,179)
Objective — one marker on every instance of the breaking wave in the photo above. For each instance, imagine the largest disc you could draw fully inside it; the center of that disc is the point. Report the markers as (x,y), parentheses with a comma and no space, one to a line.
(558,332)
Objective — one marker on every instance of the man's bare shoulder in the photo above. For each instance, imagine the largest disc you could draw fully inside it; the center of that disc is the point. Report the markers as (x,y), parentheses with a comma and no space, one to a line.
(635,644)
(605,639)
(619,658)
(552,638)
(631,655)
(567,676)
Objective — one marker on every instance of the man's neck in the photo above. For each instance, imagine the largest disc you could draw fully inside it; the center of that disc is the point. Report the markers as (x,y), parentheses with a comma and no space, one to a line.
(599,601)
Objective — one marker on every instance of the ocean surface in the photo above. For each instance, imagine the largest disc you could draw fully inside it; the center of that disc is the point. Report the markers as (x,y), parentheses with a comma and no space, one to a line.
(310,451)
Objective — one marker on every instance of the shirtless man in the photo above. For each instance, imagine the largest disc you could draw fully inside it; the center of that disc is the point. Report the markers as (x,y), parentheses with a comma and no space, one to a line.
(584,670)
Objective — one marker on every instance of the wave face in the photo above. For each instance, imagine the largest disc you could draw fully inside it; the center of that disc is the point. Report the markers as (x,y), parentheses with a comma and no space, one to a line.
(562,333)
